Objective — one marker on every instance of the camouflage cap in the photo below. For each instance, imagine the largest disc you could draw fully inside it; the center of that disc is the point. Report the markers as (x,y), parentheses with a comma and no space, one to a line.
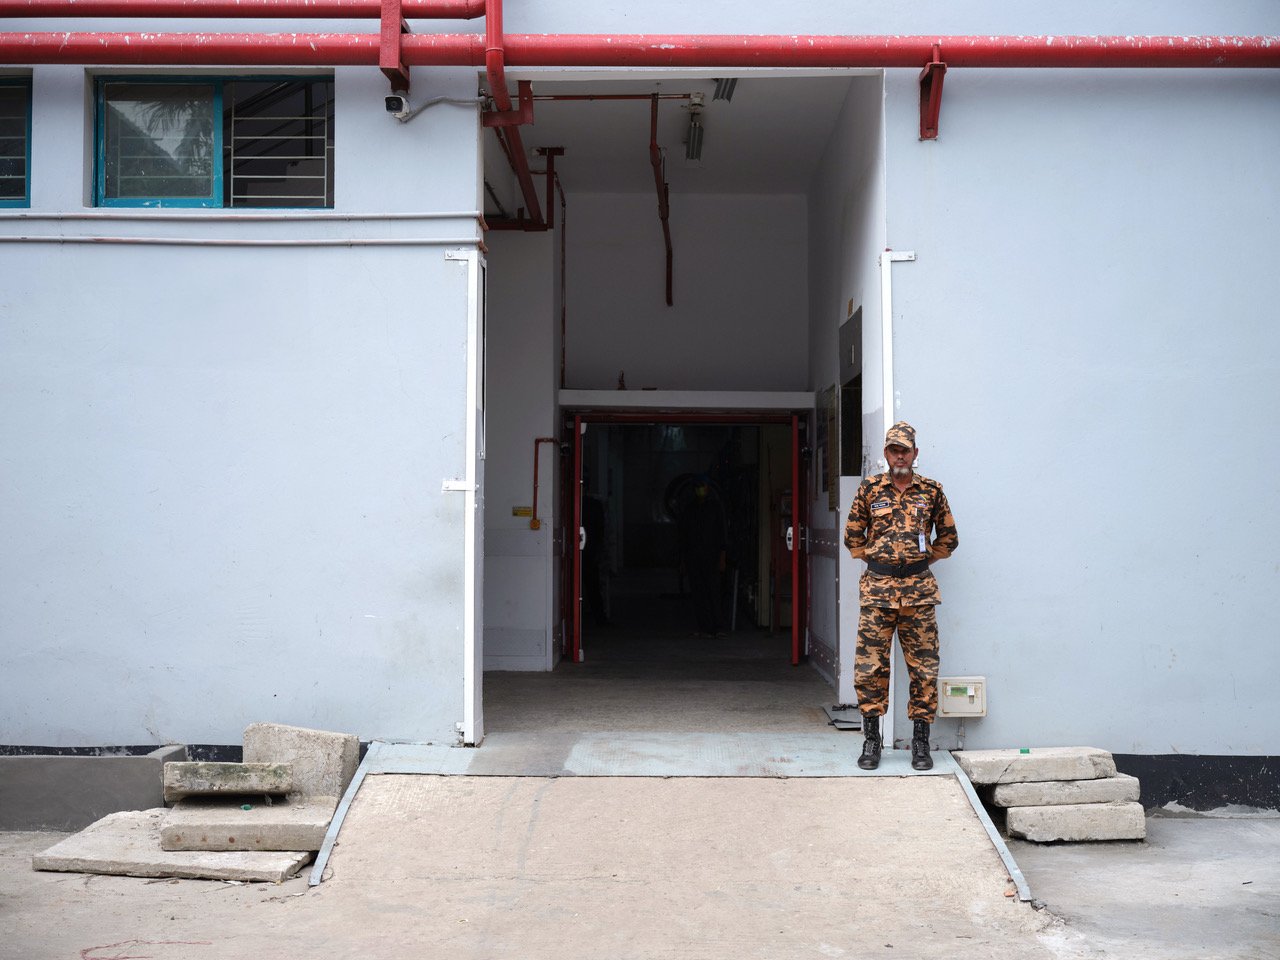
(902,434)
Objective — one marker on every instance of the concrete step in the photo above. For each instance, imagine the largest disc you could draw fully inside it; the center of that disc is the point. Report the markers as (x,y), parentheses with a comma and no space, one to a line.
(323,762)
(43,792)
(193,778)
(203,823)
(1078,821)
(128,843)
(1118,789)
(1040,764)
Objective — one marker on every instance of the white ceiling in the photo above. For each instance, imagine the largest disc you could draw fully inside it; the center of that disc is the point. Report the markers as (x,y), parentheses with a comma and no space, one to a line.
(767,139)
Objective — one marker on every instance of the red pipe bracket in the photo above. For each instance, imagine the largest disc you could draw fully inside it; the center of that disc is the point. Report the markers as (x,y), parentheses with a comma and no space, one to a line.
(390,50)
(523,114)
(931,94)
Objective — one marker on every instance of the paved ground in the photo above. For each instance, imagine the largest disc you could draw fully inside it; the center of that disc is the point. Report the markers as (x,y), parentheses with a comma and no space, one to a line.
(668,867)
(684,867)
(576,867)
(1197,889)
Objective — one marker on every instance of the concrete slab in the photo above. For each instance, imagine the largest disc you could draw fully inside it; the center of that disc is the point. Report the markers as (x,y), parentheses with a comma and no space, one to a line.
(1121,788)
(195,778)
(584,867)
(128,843)
(1041,763)
(1196,889)
(1078,821)
(323,762)
(69,793)
(203,823)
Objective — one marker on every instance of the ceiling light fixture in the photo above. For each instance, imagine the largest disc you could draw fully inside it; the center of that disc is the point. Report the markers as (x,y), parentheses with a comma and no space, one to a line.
(693,144)
(724,88)
(693,140)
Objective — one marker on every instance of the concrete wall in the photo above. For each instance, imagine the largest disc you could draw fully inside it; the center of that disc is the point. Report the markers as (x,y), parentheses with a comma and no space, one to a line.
(740,299)
(223,465)
(523,370)
(846,234)
(929,17)
(1087,347)
(223,468)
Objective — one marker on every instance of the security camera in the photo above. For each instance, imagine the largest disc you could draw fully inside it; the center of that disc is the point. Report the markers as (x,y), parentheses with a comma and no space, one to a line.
(398,106)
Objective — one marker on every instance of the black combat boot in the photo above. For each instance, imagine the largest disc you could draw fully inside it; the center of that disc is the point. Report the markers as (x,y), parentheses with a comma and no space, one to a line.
(920,759)
(871,744)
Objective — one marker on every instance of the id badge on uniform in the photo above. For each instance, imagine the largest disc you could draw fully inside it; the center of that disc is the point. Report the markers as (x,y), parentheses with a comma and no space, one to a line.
(923,546)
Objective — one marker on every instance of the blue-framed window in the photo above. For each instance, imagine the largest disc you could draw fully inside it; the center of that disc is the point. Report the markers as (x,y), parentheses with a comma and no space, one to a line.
(15,142)
(214,142)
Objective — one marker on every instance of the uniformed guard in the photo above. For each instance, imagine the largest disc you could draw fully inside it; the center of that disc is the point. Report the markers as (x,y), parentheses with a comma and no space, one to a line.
(900,523)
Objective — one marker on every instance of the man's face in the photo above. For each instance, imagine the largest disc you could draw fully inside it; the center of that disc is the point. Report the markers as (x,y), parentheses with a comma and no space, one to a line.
(899,459)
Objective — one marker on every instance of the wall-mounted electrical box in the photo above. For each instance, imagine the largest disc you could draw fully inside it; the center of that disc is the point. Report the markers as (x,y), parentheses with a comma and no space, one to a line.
(962,696)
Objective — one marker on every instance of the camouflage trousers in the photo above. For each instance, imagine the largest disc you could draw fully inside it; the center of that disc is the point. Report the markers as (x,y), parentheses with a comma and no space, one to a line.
(918,637)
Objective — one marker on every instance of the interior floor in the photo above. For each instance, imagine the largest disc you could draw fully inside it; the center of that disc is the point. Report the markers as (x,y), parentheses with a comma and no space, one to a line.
(644,671)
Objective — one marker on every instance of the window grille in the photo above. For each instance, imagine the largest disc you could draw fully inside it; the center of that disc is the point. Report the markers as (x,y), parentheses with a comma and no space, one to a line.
(15,142)
(278,146)
(271,144)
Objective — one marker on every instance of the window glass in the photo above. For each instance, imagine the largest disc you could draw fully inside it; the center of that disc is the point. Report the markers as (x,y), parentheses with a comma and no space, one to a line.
(15,142)
(158,141)
(217,142)
(278,143)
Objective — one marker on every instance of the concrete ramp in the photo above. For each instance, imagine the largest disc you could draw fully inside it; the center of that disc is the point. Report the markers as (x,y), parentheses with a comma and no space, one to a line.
(707,867)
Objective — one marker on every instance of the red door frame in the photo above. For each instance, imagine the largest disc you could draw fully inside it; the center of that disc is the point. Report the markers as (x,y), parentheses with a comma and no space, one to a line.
(797,540)
(575,533)
(799,479)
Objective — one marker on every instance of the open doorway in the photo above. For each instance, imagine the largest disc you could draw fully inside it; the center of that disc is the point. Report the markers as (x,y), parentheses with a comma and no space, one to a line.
(775,227)
(637,657)
(685,537)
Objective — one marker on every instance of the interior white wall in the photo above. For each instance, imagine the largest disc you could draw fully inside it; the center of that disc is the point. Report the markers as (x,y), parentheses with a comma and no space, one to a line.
(739,321)
(846,235)
(1087,347)
(523,368)
(222,499)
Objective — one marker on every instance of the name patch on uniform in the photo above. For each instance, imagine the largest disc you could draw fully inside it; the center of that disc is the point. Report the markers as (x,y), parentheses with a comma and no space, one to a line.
(881,505)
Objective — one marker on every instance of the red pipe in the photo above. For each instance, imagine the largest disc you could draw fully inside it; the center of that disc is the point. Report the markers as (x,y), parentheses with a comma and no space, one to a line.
(240,9)
(496,51)
(534,522)
(890,51)
(232,49)
(664,206)
(496,72)
(613,96)
(564,229)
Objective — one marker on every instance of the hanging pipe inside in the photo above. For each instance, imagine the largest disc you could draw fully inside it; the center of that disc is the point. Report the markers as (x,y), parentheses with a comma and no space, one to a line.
(664,208)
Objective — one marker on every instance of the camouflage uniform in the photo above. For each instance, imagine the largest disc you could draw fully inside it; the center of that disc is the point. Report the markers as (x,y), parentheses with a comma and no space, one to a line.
(891,529)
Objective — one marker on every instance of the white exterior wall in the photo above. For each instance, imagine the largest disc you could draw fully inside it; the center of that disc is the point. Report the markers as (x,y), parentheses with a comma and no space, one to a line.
(223,465)
(1096,255)
(1087,347)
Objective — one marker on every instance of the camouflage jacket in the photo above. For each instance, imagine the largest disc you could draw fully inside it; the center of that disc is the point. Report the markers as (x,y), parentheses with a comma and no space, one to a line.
(889,527)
